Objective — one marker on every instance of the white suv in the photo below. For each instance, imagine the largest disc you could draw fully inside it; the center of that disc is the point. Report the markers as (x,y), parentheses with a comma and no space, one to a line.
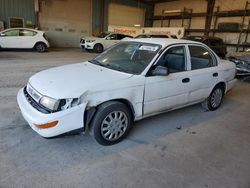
(102,42)
(23,38)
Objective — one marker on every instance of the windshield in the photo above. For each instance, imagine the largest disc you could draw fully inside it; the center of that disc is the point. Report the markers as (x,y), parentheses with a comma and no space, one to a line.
(142,36)
(129,57)
(102,35)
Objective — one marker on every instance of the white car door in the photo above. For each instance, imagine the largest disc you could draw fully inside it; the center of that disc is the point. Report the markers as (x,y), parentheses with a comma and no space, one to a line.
(10,39)
(203,74)
(110,40)
(166,92)
(27,38)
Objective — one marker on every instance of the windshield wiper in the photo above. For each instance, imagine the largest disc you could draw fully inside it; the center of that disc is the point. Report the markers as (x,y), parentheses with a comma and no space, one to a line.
(96,62)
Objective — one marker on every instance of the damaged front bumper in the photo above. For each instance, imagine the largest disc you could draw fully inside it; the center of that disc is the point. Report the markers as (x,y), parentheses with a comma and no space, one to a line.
(67,120)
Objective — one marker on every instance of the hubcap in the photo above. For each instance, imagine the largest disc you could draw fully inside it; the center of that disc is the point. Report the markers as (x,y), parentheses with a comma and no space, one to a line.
(114,125)
(40,47)
(216,98)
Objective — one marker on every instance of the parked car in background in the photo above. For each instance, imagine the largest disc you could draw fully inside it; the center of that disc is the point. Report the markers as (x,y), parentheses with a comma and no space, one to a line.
(242,61)
(24,38)
(151,36)
(215,43)
(130,81)
(102,42)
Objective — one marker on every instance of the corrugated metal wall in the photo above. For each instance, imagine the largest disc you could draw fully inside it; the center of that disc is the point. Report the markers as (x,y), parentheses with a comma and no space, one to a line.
(17,8)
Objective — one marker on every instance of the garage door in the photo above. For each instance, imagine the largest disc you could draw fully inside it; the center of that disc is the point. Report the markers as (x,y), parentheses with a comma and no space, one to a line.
(65,22)
(122,15)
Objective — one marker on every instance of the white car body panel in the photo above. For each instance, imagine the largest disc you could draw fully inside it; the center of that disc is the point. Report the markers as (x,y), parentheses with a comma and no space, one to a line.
(165,92)
(22,42)
(89,74)
(106,42)
(103,41)
(146,95)
(69,120)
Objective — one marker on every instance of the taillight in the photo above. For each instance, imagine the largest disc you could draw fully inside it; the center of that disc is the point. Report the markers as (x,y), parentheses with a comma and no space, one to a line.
(44,36)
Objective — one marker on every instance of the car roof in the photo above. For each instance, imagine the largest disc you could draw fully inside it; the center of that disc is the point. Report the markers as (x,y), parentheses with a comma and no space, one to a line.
(203,37)
(22,28)
(165,42)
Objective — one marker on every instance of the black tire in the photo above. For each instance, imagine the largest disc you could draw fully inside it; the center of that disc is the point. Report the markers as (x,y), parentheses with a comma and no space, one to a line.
(214,100)
(98,48)
(104,123)
(40,47)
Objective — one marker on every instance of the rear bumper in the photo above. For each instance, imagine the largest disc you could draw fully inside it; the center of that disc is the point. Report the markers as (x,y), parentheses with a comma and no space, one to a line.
(68,120)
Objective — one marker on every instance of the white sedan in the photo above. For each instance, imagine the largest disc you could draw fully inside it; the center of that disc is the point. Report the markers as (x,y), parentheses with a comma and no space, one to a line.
(102,42)
(23,38)
(130,81)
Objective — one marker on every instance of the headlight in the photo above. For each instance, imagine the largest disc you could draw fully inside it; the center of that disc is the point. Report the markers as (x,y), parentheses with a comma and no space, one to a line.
(49,103)
(90,40)
(57,105)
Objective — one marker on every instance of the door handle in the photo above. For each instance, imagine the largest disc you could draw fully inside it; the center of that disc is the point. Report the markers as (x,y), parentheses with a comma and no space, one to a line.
(215,74)
(185,80)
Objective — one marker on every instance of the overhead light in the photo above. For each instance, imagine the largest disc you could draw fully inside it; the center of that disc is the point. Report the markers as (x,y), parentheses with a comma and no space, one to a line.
(137,25)
(171,11)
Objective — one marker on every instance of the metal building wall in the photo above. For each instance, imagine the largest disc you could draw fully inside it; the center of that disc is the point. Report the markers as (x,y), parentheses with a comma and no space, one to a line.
(100,13)
(17,8)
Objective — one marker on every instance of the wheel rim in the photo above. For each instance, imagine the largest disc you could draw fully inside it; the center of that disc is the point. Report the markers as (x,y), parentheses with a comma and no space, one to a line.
(40,47)
(114,125)
(98,48)
(216,97)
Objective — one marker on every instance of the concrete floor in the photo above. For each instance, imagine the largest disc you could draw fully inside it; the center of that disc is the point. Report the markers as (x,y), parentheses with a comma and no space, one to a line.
(212,149)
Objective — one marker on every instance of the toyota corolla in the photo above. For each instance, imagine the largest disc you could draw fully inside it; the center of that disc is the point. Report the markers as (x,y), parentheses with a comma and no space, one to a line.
(128,82)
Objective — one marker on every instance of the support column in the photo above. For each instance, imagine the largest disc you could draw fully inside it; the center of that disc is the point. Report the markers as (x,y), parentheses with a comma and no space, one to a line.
(209,16)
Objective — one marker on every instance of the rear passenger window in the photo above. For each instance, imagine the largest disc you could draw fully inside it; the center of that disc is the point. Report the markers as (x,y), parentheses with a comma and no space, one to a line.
(113,37)
(200,58)
(24,32)
(174,59)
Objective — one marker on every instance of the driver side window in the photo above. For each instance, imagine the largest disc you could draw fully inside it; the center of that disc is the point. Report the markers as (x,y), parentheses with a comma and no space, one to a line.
(113,37)
(12,33)
(173,59)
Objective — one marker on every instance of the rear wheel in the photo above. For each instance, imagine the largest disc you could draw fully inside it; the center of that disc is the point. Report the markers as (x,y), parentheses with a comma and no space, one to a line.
(111,123)
(98,48)
(214,100)
(40,47)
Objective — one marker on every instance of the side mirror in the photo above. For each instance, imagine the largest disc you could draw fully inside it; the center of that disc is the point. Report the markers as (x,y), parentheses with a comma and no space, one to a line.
(108,38)
(2,35)
(160,71)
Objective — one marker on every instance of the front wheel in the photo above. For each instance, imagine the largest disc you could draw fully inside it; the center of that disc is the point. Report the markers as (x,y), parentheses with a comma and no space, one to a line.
(98,48)
(111,123)
(214,100)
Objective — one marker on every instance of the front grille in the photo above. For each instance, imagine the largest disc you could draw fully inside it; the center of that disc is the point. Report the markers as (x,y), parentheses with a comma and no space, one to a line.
(33,103)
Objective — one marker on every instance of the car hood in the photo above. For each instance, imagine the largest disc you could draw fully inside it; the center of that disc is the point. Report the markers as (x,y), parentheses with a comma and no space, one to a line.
(71,81)
(92,38)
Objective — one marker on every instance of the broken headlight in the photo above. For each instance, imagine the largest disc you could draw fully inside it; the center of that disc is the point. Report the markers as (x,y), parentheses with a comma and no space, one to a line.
(68,103)
(50,103)
(58,105)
